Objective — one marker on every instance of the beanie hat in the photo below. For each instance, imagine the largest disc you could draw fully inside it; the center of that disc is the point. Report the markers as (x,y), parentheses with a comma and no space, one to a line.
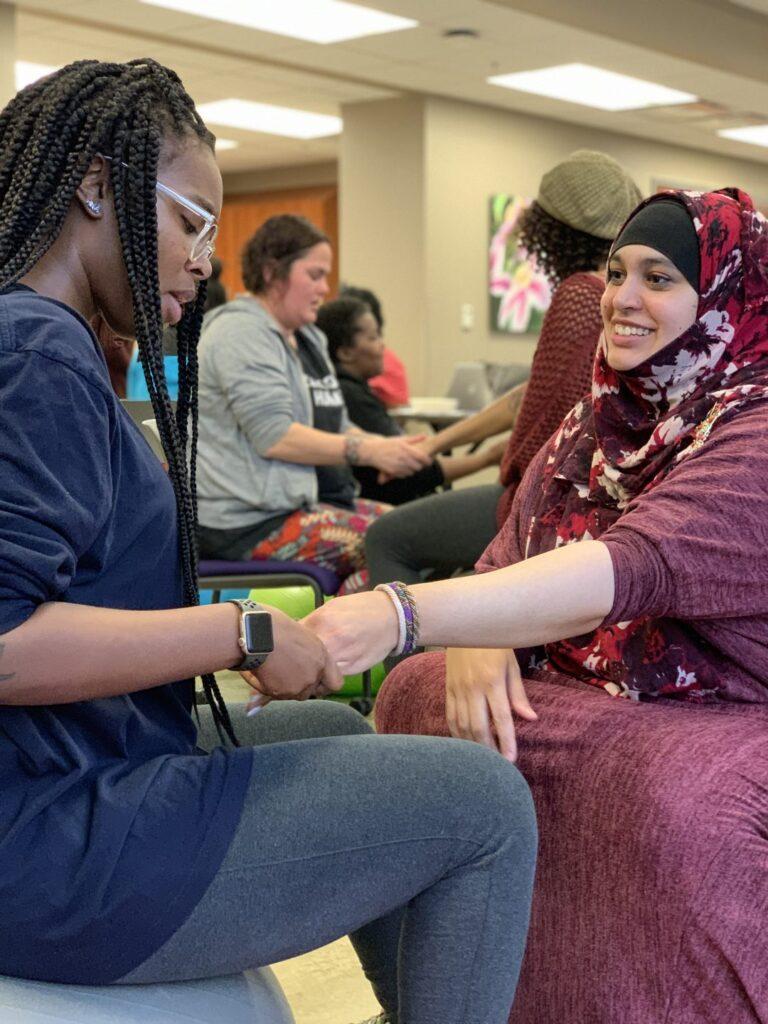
(589,191)
(666,226)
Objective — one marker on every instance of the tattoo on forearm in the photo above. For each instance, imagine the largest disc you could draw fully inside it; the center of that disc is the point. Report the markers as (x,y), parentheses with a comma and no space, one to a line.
(10,675)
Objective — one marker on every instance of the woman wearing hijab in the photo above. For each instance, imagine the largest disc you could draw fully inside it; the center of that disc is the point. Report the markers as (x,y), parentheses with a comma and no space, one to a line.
(633,556)
(634,562)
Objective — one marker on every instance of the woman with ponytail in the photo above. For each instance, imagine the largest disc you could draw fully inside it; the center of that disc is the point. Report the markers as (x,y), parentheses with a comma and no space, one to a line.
(137,844)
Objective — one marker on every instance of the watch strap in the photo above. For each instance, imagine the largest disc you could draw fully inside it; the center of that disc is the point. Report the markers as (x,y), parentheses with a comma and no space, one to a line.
(251,659)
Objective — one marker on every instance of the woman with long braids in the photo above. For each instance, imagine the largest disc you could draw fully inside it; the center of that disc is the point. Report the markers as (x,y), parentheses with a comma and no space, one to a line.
(128,853)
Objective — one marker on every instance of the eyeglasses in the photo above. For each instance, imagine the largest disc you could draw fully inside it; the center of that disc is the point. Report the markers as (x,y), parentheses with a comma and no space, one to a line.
(204,244)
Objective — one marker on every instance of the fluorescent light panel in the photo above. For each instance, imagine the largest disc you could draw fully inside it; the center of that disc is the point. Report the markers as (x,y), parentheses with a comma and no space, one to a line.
(755,134)
(592,87)
(222,144)
(263,117)
(315,21)
(27,72)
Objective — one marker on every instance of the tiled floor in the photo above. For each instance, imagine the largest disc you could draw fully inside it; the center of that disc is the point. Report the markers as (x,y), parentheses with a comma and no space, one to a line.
(326,986)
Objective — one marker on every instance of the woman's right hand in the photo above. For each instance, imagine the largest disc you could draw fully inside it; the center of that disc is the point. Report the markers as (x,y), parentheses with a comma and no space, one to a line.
(394,456)
(482,688)
(358,630)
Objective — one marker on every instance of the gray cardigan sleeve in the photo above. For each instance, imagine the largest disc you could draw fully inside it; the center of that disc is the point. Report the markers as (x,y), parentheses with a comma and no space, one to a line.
(251,364)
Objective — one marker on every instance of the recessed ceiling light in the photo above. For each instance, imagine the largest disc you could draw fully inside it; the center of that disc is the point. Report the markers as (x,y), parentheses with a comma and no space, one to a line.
(315,21)
(592,87)
(27,73)
(755,134)
(226,144)
(263,117)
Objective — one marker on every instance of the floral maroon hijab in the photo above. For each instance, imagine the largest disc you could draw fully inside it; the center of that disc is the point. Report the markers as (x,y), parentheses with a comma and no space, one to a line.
(642,422)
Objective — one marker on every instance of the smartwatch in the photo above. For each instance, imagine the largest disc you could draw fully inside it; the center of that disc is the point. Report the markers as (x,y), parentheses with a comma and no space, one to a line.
(255,640)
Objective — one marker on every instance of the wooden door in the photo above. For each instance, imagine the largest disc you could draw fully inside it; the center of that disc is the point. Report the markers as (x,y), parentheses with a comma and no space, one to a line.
(242,215)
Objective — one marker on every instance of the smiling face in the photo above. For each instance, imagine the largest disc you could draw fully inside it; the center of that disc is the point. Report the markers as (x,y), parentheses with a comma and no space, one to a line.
(295,299)
(647,303)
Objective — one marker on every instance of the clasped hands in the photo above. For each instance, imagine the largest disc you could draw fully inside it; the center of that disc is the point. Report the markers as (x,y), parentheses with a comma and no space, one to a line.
(484,687)
(299,667)
(310,658)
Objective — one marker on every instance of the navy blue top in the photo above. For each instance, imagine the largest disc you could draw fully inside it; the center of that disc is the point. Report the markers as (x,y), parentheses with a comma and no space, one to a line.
(112,825)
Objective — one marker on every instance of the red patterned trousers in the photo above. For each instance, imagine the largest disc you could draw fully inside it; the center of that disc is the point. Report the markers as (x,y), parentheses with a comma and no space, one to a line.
(329,536)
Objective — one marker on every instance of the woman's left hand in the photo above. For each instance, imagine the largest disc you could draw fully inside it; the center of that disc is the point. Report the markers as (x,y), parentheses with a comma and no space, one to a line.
(358,631)
(482,689)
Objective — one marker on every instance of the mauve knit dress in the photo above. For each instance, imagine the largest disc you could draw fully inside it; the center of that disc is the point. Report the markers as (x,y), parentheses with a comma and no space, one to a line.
(651,899)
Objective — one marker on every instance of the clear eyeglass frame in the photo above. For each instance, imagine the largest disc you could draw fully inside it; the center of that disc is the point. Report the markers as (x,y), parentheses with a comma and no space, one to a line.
(204,244)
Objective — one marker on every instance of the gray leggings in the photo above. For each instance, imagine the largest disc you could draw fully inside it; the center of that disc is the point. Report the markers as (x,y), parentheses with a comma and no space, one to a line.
(438,534)
(421,849)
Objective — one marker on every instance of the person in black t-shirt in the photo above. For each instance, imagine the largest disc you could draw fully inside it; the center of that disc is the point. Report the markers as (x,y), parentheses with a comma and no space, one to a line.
(357,351)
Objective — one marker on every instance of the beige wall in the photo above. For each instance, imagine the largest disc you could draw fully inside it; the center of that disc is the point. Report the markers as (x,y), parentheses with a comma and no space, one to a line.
(416,175)
(7,53)
(272,178)
(382,243)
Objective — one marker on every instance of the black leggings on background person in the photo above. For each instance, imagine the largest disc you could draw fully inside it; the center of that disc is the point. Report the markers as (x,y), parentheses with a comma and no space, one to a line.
(433,536)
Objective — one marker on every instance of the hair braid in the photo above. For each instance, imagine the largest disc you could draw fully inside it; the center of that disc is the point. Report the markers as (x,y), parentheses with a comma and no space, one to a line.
(50,133)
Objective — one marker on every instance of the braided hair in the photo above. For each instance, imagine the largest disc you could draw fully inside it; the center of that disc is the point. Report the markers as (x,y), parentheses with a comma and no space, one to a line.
(49,135)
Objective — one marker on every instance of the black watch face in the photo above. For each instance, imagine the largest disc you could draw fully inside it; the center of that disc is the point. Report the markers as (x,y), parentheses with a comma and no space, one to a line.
(258,632)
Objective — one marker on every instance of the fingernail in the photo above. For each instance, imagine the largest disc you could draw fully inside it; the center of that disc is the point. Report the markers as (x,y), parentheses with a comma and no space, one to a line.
(253,711)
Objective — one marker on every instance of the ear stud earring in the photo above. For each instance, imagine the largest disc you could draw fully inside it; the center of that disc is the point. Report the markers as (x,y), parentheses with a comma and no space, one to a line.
(93,205)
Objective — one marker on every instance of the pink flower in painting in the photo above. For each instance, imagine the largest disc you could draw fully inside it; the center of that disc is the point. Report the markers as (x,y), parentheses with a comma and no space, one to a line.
(527,290)
(497,256)
(514,279)
(497,251)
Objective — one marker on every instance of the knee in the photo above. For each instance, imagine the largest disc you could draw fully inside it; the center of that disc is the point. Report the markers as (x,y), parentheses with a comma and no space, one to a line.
(283,721)
(412,698)
(332,718)
(500,793)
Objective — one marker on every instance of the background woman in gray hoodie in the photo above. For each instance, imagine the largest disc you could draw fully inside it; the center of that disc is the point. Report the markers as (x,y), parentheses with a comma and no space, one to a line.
(276,444)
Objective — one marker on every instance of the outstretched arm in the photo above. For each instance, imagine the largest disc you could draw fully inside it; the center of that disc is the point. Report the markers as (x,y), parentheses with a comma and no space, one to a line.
(68,652)
(558,594)
(493,419)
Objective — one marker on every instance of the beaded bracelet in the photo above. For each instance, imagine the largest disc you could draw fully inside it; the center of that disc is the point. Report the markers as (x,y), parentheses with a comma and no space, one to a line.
(407,616)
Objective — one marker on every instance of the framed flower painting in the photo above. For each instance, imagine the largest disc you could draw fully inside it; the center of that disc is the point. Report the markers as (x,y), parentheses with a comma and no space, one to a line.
(519,292)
